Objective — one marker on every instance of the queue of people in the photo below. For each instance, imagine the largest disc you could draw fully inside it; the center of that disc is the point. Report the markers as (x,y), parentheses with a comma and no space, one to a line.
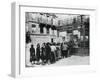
(49,53)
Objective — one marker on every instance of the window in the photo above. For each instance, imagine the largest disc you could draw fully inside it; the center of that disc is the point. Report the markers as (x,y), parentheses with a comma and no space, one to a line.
(47,30)
(33,25)
(41,30)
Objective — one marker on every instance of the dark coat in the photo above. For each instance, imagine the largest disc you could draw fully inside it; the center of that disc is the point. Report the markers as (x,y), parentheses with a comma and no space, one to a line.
(32,54)
(48,51)
(38,53)
(43,55)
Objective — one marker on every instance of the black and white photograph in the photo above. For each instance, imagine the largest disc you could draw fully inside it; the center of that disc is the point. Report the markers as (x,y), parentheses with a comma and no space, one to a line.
(56,39)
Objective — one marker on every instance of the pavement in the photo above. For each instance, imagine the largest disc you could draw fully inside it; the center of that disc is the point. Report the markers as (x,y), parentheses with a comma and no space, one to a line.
(73,60)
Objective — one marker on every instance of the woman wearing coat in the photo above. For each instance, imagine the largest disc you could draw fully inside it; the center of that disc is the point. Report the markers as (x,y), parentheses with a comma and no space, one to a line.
(32,55)
(38,53)
(43,54)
